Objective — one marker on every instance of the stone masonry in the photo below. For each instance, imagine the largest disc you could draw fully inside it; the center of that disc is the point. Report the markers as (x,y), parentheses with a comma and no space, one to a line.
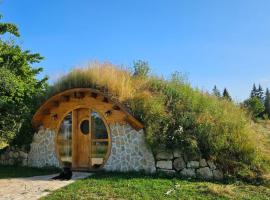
(172,162)
(129,151)
(43,152)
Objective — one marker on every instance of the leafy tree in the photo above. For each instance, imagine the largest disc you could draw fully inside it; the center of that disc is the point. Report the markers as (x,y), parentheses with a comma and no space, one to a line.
(255,106)
(267,102)
(216,91)
(226,95)
(19,87)
(141,68)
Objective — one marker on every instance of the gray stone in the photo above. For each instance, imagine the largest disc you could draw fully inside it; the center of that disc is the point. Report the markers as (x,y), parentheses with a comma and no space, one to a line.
(177,153)
(10,154)
(129,150)
(23,154)
(193,164)
(203,163)
(188,173)
(15,154)
(167,171)
(164,155)
(164,164)
(40,155)
(205,173)
(218,174)
(179,163)
(211,164)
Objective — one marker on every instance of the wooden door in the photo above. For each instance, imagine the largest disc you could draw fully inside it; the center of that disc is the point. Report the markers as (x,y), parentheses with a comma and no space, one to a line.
(81,138)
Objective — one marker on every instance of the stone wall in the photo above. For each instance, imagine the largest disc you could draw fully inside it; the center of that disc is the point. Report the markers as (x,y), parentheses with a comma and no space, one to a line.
(129,151)
(14,156)
(173,162)
(42,152)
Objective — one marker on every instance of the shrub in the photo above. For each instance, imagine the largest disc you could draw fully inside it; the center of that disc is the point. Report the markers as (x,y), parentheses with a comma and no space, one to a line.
(176,115)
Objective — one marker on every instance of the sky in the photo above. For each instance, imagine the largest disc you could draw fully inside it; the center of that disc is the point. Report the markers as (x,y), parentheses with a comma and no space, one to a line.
(214,42)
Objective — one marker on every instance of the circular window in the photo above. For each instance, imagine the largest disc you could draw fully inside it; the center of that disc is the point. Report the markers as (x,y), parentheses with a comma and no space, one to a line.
(85,126)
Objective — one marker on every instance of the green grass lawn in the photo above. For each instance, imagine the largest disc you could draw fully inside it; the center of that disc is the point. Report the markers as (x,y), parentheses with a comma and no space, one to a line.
(17,171)
(138,186)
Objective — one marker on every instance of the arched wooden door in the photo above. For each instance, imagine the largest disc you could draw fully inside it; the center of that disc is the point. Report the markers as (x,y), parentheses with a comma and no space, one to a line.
(83,140)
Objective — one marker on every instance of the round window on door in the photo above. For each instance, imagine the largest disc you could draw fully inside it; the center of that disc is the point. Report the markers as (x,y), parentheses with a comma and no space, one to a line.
(84,126)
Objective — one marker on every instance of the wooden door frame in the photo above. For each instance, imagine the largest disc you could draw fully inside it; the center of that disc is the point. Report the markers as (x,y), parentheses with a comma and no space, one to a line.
(108,132)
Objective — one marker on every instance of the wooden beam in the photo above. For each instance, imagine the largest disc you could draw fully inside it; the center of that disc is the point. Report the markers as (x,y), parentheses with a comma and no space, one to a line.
(105,100)
(65,98)
(46,112)
(55,103)
(116,107)
(94,95)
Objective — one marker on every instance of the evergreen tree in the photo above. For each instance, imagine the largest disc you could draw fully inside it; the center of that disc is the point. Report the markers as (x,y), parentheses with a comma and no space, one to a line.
(216,91)
(267,102)
(259,93)
(226,95)
(253,91)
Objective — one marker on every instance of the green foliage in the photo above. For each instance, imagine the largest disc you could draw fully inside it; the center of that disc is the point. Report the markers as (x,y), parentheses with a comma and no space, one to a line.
(267,103)
(141,68)
(255,106)
(216,92)
(226,95)
(177,116)
(19,88)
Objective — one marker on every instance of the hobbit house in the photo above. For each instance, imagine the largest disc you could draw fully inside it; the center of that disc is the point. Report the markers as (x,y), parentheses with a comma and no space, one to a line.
(86,130)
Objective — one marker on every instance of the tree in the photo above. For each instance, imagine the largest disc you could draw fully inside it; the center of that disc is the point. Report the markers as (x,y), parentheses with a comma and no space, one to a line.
(216,91)
(267,102)
(226,95)
(141,68)
(253,92)
(260,93)
(19,87)
(255,106)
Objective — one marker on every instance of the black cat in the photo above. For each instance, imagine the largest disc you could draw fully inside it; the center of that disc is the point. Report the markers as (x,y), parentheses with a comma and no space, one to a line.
(66,174)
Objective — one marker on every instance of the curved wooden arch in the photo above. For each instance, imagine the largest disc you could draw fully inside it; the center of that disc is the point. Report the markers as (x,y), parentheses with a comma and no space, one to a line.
(51,112)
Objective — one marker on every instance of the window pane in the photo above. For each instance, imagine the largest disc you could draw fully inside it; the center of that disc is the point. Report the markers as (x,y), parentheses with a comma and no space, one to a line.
(85,127)
(99,130)
(99,151)
(64,140)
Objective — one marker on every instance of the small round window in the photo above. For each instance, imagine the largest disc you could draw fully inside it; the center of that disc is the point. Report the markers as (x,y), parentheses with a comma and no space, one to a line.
(85,126)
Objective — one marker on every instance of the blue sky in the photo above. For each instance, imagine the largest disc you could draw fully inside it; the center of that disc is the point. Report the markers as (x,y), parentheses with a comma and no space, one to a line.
(219,42)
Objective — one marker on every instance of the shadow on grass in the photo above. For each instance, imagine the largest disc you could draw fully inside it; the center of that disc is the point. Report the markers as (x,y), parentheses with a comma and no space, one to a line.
(13,171)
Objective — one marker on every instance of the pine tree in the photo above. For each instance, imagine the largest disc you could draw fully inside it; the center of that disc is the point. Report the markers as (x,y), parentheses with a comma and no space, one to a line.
(253,91)
(267,102)
(226,95)
(216,91)
(259,93)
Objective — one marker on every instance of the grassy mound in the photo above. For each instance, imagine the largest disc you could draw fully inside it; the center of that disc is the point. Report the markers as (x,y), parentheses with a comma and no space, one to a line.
(178,116)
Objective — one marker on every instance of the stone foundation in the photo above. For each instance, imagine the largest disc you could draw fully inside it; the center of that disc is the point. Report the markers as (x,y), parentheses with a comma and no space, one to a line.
(43,152)
(14,156)
(173,162)
(129,151)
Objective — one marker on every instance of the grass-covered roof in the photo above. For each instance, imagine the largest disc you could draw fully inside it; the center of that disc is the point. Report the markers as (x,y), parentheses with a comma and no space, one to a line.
(176,115)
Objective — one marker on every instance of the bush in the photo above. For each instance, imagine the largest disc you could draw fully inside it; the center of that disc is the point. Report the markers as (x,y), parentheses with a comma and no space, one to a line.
(178,116)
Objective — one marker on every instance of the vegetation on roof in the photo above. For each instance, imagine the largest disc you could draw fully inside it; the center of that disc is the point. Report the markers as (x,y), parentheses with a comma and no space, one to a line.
(176,115)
